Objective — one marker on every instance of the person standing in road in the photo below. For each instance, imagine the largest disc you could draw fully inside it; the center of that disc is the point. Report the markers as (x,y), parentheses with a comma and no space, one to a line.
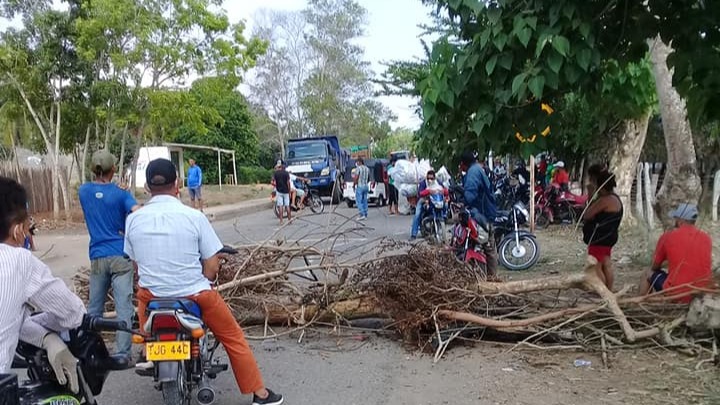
(481,201)
(281,178)
(194,183)
(392,190)
(362,188)
(106,207)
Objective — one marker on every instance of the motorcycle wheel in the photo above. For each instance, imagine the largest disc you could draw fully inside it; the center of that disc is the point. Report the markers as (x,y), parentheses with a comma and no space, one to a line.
(439,231)
(316,204)
(541,220)
(519,256)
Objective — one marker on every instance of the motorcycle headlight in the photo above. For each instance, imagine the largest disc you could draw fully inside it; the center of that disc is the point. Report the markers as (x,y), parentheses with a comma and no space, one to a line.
(325,171)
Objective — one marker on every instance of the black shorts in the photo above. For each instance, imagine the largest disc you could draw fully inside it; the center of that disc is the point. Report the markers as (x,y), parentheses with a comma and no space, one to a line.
(657,280)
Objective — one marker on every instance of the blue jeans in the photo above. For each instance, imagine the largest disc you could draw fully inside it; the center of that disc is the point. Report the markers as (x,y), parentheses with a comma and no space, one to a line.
(361,198)
(116,272)
(416,219)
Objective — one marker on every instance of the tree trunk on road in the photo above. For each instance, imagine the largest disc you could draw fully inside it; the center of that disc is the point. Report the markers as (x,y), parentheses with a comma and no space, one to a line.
(682,182)
(624,159)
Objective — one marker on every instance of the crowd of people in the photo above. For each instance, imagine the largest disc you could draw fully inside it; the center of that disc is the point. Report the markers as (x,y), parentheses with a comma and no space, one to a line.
(172,251)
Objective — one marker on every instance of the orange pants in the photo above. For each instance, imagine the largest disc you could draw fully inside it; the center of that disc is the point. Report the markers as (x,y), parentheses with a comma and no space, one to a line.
(221,322)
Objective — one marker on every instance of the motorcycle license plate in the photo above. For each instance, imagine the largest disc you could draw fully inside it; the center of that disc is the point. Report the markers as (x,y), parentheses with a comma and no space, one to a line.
(167,351)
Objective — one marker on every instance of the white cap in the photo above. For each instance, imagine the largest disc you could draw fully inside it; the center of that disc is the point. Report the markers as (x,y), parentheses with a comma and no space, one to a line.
(560,164)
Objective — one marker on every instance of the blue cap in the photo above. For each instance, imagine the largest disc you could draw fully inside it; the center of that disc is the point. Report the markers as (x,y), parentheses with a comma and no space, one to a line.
(688,212)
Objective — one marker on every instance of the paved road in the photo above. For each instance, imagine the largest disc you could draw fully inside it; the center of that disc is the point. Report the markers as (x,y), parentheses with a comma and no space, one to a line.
(65,253)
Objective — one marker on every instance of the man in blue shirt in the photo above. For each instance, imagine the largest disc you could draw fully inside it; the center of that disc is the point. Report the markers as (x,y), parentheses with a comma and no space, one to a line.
(481,201)
(105,207)
(194,183)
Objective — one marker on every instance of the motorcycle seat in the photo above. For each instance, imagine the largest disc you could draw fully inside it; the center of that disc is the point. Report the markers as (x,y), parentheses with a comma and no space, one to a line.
(187,305)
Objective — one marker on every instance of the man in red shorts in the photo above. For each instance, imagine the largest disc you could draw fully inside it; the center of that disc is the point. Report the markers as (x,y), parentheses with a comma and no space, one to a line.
(688,252)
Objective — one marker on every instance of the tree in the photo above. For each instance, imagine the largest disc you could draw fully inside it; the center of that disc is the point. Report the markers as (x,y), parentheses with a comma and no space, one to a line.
(504,59)
(337,96)
(399,139)
(281,73)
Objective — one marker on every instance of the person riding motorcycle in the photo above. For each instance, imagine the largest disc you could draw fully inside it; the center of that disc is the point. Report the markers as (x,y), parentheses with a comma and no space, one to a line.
(427,187)
(298,190)
(176,253)
(481,201)
(26,281)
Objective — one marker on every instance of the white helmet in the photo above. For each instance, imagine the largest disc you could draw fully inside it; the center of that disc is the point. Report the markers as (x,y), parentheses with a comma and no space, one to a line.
(560,164)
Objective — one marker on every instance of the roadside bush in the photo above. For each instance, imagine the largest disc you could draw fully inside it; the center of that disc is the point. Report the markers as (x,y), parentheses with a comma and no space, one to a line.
(254,175)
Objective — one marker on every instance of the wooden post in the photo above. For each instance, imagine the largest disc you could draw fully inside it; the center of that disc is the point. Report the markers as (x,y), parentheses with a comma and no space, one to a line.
(219,170)
(235,178)
(649,197)
(532,194)
(716,196)
(639,192)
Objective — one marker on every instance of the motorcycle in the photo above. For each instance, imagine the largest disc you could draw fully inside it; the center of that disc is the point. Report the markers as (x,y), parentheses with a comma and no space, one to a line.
(177,343)
(517,248)
(94,365)
(468,239)
(312,200)
(556,206)
(432,223)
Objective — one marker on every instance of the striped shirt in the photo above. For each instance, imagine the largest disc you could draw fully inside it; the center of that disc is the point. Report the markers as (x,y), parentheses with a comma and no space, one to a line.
(363,175)
(26,283)
(167,240)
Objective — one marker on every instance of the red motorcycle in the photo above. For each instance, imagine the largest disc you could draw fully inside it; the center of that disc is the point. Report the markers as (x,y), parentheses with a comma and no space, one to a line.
(468,238)
(554,205)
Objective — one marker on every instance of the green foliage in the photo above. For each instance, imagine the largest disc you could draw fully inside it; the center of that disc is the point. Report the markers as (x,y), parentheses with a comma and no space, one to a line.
(487,78)
(254,175)
(400,139)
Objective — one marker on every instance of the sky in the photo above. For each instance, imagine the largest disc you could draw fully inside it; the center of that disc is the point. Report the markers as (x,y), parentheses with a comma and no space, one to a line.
(392,34)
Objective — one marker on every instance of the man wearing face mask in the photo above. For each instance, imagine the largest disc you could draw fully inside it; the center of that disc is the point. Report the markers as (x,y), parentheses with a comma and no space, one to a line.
(428,186)
(27,282)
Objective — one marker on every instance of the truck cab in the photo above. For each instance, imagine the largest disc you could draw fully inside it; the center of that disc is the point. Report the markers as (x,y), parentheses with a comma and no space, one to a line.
(321,160)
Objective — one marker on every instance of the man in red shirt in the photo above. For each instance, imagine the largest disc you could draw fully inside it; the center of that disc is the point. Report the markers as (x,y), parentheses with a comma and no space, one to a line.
(688,252)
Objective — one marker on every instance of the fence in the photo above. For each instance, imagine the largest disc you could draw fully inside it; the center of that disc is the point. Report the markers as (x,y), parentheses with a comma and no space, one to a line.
(37,182)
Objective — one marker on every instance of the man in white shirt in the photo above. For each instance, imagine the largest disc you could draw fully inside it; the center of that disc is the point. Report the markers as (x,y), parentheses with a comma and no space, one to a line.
(27,282)
(175,250)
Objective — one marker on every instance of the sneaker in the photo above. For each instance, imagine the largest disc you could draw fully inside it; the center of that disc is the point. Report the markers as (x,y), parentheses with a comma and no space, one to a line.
(272,399)
(144,368)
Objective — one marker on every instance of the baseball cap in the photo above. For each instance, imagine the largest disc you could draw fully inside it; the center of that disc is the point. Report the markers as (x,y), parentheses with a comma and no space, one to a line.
(560,164)
(688,212)
(160,172)
(103,159)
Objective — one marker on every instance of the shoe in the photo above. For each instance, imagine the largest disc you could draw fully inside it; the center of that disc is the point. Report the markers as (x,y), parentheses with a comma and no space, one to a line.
(412,238)
(361,218)
(272,399)
(145,369)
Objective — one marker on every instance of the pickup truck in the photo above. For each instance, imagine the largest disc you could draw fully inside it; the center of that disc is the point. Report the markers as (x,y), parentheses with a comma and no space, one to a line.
(320,159)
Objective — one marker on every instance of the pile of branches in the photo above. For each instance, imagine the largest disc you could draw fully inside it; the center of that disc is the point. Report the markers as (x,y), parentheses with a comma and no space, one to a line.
(430,298)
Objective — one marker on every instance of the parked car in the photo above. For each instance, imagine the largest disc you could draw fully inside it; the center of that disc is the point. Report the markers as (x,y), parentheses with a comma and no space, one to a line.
(378,188)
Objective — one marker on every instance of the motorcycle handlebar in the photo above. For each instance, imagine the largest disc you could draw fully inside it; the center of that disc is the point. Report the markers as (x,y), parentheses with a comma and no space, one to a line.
(97,324)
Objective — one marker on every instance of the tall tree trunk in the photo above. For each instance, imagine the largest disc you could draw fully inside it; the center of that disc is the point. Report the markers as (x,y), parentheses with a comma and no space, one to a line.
(107,131)
(61,175)
(136,155)
(121,163)
(624,159)
(682,182)
(83,163)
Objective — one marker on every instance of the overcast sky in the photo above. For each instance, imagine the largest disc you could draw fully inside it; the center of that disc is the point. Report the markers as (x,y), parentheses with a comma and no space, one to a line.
(392,33)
